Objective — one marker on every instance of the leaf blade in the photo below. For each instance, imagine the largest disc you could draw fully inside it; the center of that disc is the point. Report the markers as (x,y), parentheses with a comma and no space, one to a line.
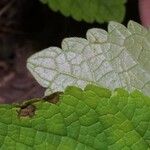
(109,59)
(81,119)
(89,10)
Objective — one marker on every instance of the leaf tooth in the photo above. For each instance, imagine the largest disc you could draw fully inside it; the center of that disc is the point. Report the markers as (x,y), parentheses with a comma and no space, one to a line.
(74,44)
(100,91)
(135,27)
(118,30)
(96,35)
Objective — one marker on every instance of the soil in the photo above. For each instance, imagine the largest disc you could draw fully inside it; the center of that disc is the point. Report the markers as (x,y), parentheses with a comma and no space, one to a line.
(26,27)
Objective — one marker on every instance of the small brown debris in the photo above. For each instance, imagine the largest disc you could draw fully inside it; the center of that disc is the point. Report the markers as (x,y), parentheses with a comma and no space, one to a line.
(53,98)
(28,110)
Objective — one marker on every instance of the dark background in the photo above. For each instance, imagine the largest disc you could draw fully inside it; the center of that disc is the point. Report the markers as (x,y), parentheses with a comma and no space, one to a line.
(28,26)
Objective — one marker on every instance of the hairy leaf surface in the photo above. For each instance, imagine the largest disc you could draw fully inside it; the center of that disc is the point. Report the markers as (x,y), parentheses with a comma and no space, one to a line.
(89,10)
(117,58)
(92,119)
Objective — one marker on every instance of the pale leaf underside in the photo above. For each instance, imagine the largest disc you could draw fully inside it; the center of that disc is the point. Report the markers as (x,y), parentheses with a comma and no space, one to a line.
(117,58)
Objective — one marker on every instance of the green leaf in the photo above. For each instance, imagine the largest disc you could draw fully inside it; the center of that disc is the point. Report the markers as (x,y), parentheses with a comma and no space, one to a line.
(89,10)
(93,119)
(113,59)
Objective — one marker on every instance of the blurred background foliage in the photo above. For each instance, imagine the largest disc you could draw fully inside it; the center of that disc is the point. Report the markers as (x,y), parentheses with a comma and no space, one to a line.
(89,10)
